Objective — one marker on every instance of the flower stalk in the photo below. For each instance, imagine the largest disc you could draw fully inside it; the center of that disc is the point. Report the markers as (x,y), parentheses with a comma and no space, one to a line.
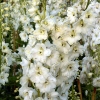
(94,94)
(79,88)
(44,8)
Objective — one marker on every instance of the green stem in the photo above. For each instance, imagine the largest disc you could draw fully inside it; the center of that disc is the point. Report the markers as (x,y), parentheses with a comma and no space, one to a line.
(87,4)
(44,8)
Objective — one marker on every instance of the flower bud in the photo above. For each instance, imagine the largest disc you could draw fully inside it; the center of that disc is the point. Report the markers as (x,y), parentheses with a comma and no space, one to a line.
(7,28)
(90,75)
(6,8)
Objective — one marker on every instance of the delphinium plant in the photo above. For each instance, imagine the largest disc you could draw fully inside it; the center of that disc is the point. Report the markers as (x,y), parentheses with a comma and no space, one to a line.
(49,49)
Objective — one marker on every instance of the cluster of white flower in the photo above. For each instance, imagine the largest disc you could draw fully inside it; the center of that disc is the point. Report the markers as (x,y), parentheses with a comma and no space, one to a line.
(53,37)
(91,61)
(7,57)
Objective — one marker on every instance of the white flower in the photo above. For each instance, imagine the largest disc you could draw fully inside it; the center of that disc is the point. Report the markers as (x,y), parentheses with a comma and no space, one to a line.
(63,59)
(87,63)
(64,96)
(27,92)
(72,14)
(70,69)
(47,85)
(3,78)
(63,46)
(37,18)
(38,73)
(82,26)
(89,15)
(8,59)
(51,95)
(41,34)
(25,65)
(23,36)
(53,59)
(24,80)
(24,19)
(65,85)
(72,36)
(28,29)
(76,50)
(4,68)
(28,52)
(40,52)
(49,23)
(21,51)
(24,62)
(32,40)
(96,82)
(83,77)
(5,48)
(60,28)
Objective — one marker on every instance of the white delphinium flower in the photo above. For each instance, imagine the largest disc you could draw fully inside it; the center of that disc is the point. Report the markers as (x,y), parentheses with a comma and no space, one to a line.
(27,93)
(76,50)
(23,36)
(32,40)
(70,69)
(61,45)
(51,95)
(96,82)
(49,22)
(82,26)
(95,35)
(41,33)
(90,16)
(65,86)
(72,36)
(64,96)
(72,14)
(32,10)
(4,68)
(28,29)
(60,79)
(48,85)
(38,72)
(95,6)
(28,52)
(24,19)
(37,19)
(24,80)
(87,64)
(53,59)
(40,52)
(25,65)
(8,59)
(60,28)
(63,59)
(5,48)
(3,78)
(21,51)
